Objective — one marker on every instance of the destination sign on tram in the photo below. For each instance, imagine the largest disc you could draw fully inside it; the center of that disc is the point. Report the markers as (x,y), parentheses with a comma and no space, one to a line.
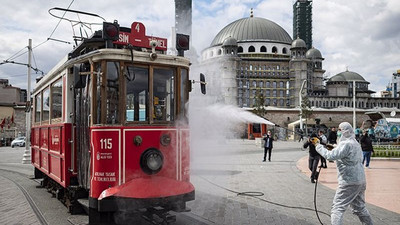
(137,37)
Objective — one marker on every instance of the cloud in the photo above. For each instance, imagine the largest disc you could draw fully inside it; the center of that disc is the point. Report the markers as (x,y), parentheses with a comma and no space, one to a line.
(363,35)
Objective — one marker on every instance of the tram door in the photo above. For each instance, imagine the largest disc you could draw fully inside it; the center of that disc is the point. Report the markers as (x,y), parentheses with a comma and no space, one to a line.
(82,94)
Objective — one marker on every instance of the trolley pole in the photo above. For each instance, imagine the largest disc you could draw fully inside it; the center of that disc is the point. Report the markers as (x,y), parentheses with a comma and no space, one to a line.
(27,154)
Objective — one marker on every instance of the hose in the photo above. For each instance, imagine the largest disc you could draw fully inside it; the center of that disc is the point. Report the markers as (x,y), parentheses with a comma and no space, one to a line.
(315,196)
(257,195)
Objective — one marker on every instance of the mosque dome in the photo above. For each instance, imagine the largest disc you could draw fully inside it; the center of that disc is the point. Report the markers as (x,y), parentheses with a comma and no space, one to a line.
(299,43)
(347,76)
(252,29)
(230,41)
(314,53)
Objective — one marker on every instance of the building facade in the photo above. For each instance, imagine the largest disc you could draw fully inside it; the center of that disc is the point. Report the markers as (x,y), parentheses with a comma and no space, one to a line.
(254,57)
(12,112)
(249,58)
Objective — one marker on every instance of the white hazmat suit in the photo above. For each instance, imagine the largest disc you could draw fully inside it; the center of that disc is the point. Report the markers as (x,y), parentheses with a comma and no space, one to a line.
(351,178)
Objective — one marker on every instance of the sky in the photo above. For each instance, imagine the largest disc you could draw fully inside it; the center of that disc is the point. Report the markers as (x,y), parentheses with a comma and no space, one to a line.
(362,36)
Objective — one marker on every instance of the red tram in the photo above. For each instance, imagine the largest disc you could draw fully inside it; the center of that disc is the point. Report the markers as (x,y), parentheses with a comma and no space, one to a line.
(110,128)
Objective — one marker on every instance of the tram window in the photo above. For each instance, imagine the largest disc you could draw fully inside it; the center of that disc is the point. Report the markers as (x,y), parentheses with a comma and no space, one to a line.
(163,94)
(184,92)
(137,89)
(46,104)
(112,93)
(38,107)
(56,99)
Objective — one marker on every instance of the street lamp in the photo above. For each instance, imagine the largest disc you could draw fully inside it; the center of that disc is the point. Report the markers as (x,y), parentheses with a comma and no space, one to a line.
(300,100)
(354,104)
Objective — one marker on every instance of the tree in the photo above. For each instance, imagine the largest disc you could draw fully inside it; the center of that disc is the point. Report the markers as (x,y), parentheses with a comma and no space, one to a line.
(306,110)
(258,106)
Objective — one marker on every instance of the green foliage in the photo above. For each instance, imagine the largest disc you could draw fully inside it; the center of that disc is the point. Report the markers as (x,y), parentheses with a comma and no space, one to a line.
(389,151)
(259,103)
(306,110)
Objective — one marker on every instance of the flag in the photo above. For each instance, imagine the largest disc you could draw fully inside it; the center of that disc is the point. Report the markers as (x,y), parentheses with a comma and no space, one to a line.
(12,119)
(8,122)
(2,124)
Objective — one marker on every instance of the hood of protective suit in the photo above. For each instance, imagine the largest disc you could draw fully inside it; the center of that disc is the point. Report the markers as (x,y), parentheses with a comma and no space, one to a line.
(347,132)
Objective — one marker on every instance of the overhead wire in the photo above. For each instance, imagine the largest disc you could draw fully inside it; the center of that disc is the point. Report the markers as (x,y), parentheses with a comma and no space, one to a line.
(49,38)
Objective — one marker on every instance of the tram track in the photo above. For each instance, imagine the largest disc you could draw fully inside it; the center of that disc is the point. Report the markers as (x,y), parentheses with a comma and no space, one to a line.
(29,199)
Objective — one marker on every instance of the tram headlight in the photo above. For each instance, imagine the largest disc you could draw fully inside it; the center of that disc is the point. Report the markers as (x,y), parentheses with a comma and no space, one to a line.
(151,161)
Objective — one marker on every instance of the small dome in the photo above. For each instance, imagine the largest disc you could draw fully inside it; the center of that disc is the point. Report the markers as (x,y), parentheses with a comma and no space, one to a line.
(230,41)
(347,76)
(299,43)
(313,53)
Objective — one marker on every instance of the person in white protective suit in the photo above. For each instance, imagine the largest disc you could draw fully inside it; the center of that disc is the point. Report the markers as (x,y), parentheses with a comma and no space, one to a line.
(351,178)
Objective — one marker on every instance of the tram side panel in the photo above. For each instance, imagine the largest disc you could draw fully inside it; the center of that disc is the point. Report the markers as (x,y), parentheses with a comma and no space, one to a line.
(51,149)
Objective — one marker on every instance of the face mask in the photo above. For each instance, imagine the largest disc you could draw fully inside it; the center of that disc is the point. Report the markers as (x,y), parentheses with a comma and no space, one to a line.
(339,134)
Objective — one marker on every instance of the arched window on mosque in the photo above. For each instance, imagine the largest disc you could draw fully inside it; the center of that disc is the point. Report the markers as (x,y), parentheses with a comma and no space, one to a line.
(252,49)
(274,50)
(240,49)
(263,49)
(219,52)
(284,51)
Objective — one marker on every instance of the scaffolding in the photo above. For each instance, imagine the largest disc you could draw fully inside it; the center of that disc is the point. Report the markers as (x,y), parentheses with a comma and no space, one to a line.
(302,21)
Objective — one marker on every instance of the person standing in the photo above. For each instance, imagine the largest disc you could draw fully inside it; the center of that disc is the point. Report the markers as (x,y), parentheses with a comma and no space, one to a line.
(323,141)
(301,134)
(332,136)
(371,133)
(357,133)
(313,158)
(268,145)
(351,177)
(367,148)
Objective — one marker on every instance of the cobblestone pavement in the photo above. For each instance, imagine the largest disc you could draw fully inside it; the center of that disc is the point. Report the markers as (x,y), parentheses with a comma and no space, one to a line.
(14,207)
(220,170)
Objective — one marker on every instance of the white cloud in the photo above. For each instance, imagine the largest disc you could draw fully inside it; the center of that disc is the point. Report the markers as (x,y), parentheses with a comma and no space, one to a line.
(363,35)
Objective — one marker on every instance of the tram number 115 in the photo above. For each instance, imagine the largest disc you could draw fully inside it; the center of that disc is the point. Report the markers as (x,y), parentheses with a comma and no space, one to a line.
(105,143)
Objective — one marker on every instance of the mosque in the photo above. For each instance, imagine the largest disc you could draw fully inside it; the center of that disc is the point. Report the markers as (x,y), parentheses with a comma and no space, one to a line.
(253,58)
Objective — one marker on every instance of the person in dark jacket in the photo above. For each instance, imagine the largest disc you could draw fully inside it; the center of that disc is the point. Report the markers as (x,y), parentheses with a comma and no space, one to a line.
(332,136)
(366,146)
(313,158)
(301,133)
(268,145)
